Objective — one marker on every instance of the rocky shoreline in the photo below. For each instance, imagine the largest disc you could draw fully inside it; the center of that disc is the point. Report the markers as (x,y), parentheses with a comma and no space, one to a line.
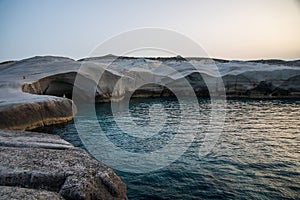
(36,92)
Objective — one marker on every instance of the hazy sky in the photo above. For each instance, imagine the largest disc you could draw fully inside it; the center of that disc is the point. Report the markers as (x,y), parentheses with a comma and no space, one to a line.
(231,29)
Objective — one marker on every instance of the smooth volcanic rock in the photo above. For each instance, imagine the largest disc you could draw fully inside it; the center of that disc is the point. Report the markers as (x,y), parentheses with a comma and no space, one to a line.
(46,162)
(32,90)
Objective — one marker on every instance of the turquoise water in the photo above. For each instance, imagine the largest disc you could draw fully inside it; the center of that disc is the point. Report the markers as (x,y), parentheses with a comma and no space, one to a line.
(256,157)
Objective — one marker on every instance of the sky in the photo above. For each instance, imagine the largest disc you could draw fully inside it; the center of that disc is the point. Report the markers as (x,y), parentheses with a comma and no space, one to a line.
(228,29)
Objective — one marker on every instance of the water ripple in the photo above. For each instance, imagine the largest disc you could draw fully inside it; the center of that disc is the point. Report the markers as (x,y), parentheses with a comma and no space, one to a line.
(256,157)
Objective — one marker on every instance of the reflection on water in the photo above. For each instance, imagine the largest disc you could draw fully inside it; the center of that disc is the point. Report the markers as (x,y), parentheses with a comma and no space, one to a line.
(257,156)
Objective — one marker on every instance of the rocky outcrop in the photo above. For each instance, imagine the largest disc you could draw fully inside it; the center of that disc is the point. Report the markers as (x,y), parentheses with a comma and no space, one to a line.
(24,111)
(28,116)
(37,164)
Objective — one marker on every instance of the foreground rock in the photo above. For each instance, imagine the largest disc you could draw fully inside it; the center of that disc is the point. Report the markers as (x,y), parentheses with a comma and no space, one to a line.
(25,193)
(34,165)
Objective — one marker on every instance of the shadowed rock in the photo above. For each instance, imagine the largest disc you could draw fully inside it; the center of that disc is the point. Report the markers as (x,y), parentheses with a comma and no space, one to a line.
(36,114)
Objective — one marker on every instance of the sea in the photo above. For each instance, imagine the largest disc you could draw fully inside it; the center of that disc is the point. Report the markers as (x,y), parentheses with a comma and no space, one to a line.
(256,155)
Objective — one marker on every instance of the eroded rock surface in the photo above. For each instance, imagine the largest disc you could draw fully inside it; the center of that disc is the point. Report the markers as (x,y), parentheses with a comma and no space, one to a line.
(17,193)
(47,163)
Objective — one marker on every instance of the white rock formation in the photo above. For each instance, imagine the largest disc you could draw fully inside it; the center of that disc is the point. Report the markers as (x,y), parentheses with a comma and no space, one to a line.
(32,91)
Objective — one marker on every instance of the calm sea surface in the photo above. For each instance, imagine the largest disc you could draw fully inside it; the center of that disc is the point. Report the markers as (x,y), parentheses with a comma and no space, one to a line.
(256,157)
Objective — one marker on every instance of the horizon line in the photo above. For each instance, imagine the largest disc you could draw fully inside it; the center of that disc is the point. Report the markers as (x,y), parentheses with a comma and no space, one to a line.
(149,57)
